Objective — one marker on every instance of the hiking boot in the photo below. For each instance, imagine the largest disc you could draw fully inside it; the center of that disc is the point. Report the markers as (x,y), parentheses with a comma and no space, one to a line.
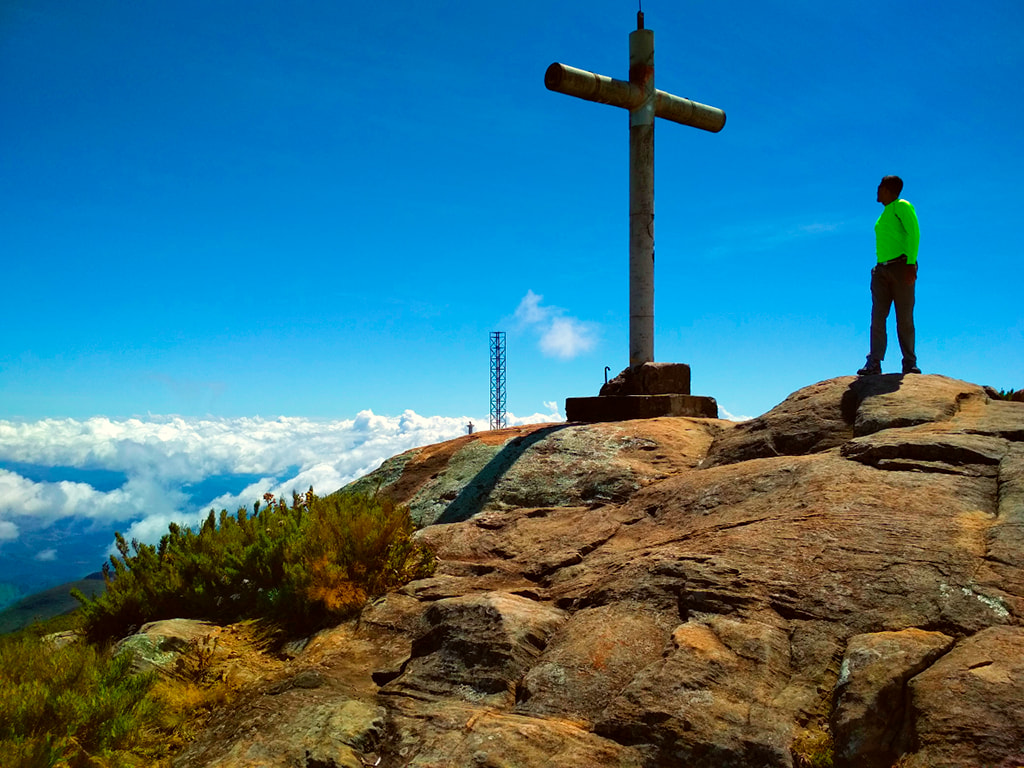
(871,368)
(911,368)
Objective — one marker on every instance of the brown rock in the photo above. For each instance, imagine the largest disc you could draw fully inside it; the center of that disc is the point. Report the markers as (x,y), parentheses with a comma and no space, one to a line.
(1005,556)
(330,735)
(477,648)
(868,725)
(886,402)
(158,644)
(161,645)
(967,708)
(813,419)
(683,592)
(814,538)
(828,414)
(929,450)
(449,734)
(983,416)
(711,700)
(544,465)
(598,651)
(318,710)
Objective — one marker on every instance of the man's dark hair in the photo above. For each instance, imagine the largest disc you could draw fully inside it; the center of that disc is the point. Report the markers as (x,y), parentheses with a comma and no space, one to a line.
(893,183)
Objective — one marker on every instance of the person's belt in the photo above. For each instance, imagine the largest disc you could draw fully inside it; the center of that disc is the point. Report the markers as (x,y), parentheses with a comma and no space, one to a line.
(897,260)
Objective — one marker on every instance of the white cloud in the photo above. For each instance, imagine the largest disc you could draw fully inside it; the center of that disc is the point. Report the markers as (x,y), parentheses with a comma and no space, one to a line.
(559,336)
(172,448)
(151,527)
(46,556)
(530,312)
(160,455)
(49,502)
(536,418)
(566,338)
(8,530)
(724,414)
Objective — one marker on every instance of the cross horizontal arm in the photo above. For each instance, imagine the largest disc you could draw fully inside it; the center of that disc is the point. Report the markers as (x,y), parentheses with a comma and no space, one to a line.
(688,112)
(592,87)
(622,93)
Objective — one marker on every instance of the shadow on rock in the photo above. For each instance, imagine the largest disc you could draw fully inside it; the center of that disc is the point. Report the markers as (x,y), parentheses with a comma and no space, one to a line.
(863,387)
(471,499)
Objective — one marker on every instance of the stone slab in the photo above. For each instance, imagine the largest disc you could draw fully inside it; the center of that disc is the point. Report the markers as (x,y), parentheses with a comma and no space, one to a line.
(625,407)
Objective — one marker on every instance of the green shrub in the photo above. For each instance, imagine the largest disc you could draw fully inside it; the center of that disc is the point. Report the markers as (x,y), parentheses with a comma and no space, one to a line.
(302,566)
(69,706)
(1009,394)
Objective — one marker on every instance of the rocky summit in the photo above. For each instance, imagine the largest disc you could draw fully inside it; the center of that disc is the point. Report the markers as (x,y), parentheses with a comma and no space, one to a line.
(841,578)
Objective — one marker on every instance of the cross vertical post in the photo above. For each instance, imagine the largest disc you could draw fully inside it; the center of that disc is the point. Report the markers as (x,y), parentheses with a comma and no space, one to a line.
(641,197)
(644,102)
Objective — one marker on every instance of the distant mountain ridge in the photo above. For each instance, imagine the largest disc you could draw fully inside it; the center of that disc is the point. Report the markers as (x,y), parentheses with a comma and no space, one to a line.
(9,593)
(51,602)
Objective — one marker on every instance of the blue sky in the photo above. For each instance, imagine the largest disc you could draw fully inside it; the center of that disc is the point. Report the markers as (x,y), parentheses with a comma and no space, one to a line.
(314,208)
(235,211)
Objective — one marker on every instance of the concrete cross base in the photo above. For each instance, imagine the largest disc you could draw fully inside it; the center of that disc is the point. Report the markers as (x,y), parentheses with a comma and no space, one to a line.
(625,407)
(650,379)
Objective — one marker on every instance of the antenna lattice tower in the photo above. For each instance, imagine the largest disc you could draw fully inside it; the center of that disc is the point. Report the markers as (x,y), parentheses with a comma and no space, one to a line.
(498,420)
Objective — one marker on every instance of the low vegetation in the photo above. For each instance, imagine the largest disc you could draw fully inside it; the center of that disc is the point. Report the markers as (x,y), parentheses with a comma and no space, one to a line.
(302,565)
(813,749)
(66,703)
(71,706)
(70,701)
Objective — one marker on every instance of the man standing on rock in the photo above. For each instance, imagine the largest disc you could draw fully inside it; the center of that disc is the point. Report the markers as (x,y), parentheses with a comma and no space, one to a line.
(893,278)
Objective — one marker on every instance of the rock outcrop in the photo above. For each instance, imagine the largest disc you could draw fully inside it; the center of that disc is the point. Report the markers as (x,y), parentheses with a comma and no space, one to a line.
(686,592)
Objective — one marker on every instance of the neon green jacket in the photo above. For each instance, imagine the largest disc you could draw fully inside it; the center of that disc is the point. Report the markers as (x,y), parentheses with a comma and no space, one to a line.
(897,232)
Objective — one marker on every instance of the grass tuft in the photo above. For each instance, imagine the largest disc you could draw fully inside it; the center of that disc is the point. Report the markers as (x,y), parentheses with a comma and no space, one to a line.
(813,749)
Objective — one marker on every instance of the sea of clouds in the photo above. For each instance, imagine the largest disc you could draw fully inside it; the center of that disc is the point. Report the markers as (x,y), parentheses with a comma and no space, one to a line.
(67,484)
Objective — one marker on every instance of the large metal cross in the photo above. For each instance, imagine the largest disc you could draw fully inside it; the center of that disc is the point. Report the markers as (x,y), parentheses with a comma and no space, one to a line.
(644,103)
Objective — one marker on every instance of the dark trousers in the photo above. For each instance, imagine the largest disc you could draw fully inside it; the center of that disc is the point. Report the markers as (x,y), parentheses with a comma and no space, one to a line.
(889,286)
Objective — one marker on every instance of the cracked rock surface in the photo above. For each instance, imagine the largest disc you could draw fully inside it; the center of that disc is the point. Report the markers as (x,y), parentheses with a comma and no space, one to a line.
(689,592)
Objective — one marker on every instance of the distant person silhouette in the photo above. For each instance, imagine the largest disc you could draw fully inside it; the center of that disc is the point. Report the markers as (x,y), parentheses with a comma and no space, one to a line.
(894,277)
